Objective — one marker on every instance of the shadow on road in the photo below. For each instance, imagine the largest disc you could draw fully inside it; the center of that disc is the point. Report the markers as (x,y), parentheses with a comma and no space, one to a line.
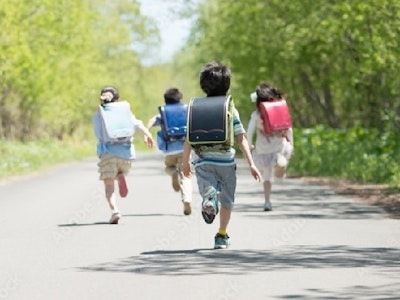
(295,201)
(360,292)
(124,215)
(201,261)
(82,224)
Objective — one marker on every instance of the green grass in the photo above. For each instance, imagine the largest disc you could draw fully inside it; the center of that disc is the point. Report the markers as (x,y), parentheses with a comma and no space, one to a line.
(361,155)
(22,158)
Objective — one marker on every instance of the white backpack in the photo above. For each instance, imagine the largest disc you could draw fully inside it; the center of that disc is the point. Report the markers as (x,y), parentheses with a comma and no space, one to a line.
(117,125)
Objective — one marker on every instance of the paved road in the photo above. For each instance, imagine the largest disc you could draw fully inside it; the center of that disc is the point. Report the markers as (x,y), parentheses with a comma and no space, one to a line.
(56,244)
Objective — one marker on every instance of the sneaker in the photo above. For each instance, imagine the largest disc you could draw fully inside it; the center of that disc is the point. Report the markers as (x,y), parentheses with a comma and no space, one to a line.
(267,206)
(210,205)
(175,182)
(115,218)
(187,210)
(221,241)
(123,188)
(281,160)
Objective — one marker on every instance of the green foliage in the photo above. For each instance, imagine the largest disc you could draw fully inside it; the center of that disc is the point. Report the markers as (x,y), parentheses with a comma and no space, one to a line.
(22,158)
(336,60)
(56,56)
(358,154)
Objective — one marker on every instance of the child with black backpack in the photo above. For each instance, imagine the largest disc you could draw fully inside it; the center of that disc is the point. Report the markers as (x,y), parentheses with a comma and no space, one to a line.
(114,125)
(214,163)
(172,118)
(273,149)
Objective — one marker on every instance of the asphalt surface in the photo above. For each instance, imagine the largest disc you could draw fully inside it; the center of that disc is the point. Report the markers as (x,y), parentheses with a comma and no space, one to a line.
(56,243)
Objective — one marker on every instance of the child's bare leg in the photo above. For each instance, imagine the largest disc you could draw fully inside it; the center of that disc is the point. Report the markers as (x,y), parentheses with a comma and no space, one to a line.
(172,170)
(224,217)
(279,171)
(267,190)
(110,193)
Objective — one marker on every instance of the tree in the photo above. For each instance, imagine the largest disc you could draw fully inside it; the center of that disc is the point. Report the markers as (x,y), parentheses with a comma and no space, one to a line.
(52,64)
(335,59)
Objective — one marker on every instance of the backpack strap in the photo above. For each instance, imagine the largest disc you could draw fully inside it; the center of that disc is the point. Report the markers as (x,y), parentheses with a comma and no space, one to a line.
(102,126)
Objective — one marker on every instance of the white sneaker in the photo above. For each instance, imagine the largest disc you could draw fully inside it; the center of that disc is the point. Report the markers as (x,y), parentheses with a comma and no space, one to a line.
(287,150)
(281,160)
(115,218)
(267,206)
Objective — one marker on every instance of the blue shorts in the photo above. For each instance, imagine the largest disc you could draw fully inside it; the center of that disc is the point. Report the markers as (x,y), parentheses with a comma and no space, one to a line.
(222,178)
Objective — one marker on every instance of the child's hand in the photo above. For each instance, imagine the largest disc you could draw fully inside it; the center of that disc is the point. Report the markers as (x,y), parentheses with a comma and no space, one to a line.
(256,174)
(148,140)
(187,172)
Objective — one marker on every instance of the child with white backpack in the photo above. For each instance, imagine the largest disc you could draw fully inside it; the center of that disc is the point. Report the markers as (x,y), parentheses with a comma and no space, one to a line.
(114,125)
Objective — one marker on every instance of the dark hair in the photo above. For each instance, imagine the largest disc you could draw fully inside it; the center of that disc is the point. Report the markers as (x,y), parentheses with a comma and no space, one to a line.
(112,90)
(172,95)
(215,79)
(267,92)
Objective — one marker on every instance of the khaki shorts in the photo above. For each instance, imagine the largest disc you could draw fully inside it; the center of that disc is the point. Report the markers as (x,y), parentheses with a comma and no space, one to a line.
(110,166)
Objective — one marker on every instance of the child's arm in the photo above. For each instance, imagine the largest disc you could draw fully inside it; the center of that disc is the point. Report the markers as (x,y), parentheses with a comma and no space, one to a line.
(187,148)
(148,138)
(151,122)
(244,146)
(288,148)
(251,128)
(290,136)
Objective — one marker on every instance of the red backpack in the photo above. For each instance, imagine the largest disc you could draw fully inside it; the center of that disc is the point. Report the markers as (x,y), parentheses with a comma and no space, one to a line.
(275,116)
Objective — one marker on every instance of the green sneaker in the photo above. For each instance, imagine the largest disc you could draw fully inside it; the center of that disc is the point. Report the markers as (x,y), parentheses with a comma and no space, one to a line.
(210,205)
(221,241)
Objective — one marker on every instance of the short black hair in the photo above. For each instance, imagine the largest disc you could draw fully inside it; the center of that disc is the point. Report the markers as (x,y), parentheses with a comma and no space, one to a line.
(112,90)
(215,79)
(172,95)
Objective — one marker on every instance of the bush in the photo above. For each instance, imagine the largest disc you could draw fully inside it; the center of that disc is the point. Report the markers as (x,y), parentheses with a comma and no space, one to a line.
(357,154)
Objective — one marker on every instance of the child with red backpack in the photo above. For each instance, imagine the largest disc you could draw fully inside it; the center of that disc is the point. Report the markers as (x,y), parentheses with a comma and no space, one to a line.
(271,124)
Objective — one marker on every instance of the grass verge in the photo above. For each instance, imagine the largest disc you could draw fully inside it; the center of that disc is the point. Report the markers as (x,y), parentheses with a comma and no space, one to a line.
(25,157)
